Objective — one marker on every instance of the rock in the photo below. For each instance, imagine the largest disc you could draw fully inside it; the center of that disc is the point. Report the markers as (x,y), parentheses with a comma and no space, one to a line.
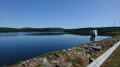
(57,55)
(97,48)
(69,49)
(58,65)
(88,55)
(32,64)
(24,63)
(27,61)
(39,60)
(46,63)
(74,47)
(62,59)
(55,61)
(69,64)
(64,50)
(91,60)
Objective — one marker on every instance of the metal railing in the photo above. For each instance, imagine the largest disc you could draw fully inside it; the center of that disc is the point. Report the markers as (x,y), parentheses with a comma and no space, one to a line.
(97,62)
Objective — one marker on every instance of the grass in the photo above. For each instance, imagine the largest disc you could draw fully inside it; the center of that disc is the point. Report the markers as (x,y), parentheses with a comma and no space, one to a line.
(107,45)
(93,57)
(113,60)
(18,62)
(40,56)
(38,65)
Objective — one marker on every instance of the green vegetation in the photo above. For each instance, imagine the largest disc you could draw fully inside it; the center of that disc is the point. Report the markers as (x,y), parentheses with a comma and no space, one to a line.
(113,59)
(18,62)
(2,29)
(111,31)
(38,65)
(40,56)
(107,45)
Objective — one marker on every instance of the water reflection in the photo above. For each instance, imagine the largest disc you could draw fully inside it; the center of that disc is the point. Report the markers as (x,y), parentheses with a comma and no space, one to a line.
(93,38)
(30,33)
(47,34)
(8,34)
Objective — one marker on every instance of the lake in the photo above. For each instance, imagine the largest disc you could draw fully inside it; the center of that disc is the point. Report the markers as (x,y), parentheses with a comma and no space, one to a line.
(24,45)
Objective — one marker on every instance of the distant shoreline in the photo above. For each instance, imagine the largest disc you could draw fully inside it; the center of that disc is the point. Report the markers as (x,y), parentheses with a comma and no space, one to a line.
(110,31)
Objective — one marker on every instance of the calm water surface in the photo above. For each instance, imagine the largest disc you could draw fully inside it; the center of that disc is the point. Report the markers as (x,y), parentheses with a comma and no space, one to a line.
(21,46)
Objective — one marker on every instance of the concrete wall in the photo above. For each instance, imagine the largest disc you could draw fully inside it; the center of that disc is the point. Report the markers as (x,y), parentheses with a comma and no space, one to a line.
(93,32)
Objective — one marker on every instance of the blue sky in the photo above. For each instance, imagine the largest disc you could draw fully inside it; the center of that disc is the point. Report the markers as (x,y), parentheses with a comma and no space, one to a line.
(59,13)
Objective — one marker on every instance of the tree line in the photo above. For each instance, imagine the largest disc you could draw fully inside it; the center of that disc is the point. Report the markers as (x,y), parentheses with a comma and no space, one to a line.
(84,31)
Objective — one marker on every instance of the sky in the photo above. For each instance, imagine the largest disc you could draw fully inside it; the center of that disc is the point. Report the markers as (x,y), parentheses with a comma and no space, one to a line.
(59,13)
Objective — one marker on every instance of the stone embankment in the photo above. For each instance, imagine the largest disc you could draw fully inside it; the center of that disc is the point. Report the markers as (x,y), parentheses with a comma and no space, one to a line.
(78,56)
